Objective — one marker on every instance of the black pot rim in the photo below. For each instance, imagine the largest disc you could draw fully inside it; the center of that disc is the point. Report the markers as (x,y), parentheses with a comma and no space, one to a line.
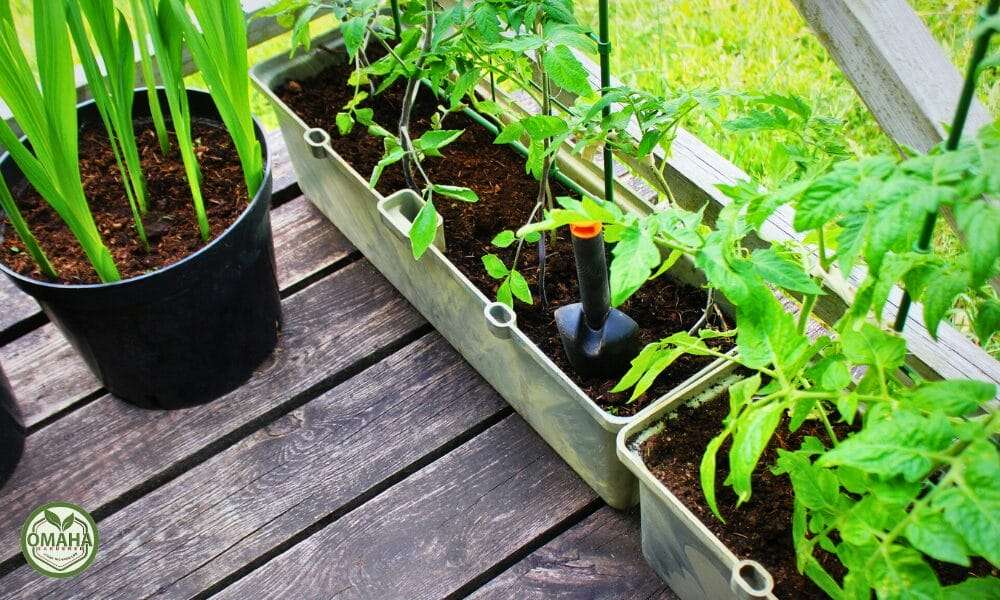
(38,283)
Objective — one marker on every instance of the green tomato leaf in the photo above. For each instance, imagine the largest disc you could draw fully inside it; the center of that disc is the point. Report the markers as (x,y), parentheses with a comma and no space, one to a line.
(424,229)
(904,444)
(706,471)
(873,347)
(519,287)
(901,573)
(504,295)
(663,360)
(934,536)
(972,506)
(495,267)
(980,222)
(953,397)
(541,127)
(436,139)
(753,432)
(784,273)
(353,31)
(640,364)
(940,296)
(566,71)
(511,133)
(981,588)
(345,123)
(504,239)
(742,392)
(456,192)
(635,257)
(987,321)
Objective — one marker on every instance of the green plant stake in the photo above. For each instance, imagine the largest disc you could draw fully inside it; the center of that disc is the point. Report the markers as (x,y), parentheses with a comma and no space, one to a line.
(604,48)
(397,23)
(954,137)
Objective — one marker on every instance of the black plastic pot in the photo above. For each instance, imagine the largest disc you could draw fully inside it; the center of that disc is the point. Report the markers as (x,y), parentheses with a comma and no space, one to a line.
(11,433)
(185,334)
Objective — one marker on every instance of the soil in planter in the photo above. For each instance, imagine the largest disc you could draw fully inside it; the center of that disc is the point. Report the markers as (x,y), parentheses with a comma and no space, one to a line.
(761,528)
(171,224)
(507,195)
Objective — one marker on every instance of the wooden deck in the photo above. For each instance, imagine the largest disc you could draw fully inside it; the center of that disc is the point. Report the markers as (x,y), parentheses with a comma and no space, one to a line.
(365,459)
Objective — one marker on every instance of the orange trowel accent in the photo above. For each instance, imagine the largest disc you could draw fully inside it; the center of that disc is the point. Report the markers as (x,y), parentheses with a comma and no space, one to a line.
(586,230)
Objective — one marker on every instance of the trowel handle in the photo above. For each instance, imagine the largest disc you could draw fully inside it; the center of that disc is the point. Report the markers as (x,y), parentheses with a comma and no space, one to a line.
(592,271)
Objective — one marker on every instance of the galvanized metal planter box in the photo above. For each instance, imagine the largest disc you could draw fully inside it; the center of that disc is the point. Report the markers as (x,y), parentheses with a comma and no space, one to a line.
(687,556)
(483,331)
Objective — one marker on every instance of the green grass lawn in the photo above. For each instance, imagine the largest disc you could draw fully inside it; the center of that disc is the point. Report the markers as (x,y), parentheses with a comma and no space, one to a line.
(756,46)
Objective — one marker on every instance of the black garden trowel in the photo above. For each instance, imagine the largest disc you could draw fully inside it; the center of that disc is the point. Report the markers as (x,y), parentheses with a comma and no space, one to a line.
(599,341)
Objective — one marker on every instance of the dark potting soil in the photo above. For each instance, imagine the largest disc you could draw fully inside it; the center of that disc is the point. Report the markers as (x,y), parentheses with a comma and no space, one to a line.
(507,195)
(760,529)
(171,224)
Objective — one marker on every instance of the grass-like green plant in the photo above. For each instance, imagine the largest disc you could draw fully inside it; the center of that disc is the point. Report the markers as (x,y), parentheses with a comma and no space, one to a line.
(148,76)
(45,110)
(165,24)
(45,107)
(219,45)
(112,91)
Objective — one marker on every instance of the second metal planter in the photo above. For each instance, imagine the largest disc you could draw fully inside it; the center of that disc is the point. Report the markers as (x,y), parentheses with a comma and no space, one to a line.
(681,549)
(484,332)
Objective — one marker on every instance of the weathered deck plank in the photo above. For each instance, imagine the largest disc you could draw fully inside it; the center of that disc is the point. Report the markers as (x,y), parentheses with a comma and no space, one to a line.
(437,530)
(274,484)
(601,555)
(48,376)
(15,306)
(108,449)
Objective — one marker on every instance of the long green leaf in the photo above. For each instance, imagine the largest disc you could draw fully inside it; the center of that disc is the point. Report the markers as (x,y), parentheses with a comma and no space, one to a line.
(45,110)
(113,91)
(218,44)
(21,227)
(164,25)
(146,61)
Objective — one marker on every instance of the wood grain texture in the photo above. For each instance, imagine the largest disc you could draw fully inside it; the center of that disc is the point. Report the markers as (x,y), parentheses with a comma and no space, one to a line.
(435,531)
(48,376)
(599,558)
(15,305)
(216,518)
(281,166)
(104,450)
(897,67)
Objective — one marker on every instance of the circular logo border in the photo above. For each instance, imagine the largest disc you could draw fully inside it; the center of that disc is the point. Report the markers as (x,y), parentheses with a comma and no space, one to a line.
(24,537)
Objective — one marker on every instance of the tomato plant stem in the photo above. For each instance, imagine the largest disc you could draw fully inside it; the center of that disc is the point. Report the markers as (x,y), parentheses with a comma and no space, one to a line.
(954,137)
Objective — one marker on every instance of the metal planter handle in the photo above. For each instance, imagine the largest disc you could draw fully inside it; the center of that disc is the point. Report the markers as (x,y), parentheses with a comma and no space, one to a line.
(318,141)
(398,212)
(750,580)
(500,319)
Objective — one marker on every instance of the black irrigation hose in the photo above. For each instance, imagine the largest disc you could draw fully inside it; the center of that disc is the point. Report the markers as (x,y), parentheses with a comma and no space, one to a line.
(954,137)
